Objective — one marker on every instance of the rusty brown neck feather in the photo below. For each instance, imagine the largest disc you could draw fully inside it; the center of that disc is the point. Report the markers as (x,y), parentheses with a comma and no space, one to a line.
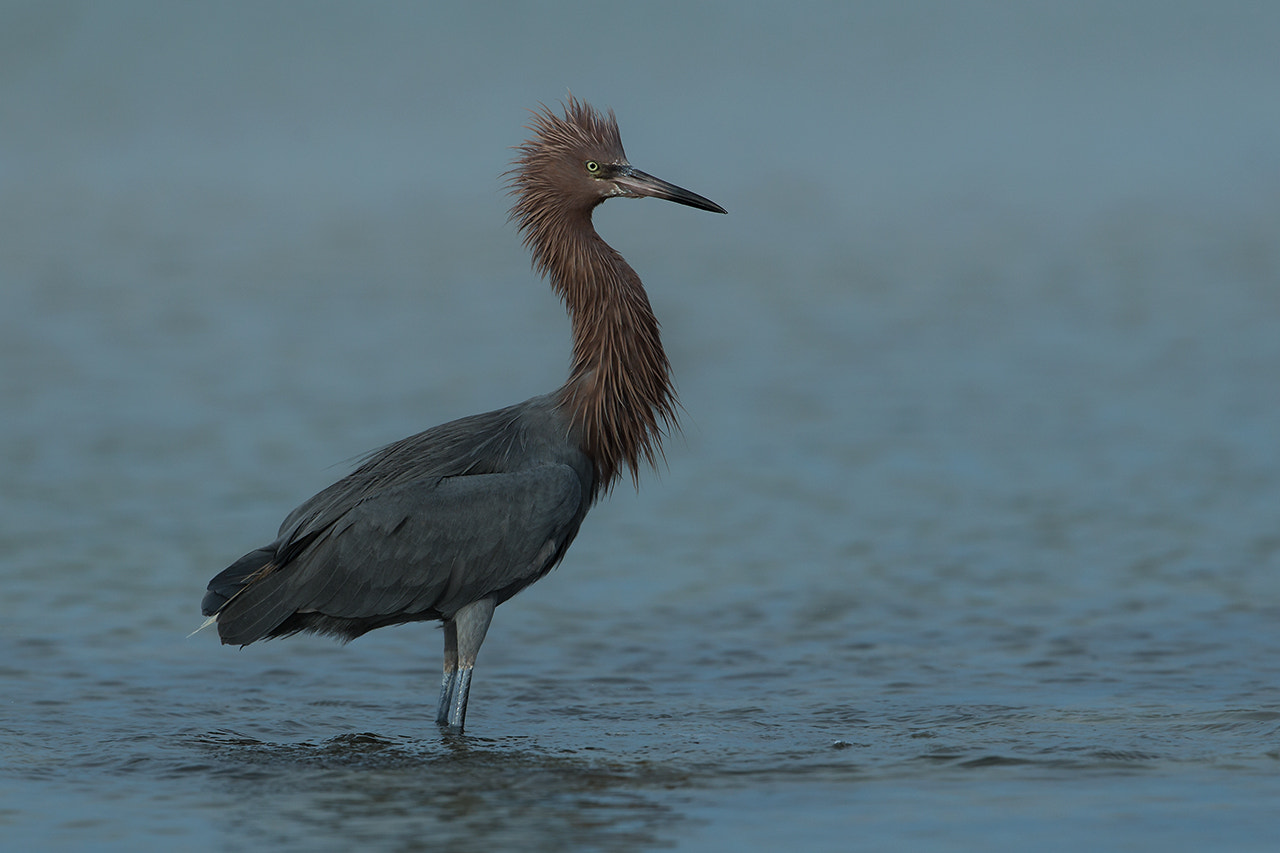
(619,390)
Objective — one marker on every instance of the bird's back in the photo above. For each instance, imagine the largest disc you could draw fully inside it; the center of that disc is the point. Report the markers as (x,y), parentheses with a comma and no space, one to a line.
(477,507)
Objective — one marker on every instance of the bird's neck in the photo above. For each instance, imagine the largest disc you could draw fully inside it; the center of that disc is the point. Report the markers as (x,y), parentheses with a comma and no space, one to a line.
(619,391)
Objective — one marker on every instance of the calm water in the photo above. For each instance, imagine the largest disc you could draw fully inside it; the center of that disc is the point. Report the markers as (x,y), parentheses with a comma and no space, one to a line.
(972,537)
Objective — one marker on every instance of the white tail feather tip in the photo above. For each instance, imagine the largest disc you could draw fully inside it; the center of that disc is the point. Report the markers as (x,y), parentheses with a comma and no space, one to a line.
(207,623)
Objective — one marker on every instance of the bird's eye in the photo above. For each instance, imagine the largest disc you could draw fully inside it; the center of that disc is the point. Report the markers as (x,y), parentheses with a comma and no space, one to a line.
(593,166)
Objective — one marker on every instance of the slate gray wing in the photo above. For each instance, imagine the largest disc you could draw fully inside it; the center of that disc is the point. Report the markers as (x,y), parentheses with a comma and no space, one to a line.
(415,551)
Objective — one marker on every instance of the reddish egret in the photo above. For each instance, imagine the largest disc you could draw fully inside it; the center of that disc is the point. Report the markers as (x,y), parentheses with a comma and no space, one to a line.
(449,523)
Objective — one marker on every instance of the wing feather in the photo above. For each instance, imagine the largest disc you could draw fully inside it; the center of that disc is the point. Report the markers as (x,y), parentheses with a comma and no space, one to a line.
(426,547)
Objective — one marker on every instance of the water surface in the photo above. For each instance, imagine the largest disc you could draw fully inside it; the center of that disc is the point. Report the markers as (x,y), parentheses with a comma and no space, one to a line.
(970,539)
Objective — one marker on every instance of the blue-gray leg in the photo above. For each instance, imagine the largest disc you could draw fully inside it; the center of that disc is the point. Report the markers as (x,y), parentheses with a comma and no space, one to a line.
(450,679)
(463,635)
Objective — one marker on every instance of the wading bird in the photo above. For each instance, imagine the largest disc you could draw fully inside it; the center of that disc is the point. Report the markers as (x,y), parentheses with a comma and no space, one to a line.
(449,523)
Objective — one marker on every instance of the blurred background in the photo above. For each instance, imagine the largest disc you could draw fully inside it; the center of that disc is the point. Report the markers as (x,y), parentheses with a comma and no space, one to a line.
(971,531)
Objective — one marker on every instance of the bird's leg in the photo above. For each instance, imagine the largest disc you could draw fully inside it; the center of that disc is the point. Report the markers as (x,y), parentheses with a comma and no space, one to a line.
(450,679)
(469,627)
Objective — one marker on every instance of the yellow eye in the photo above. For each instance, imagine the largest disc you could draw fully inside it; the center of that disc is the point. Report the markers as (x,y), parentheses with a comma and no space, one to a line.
(593,166)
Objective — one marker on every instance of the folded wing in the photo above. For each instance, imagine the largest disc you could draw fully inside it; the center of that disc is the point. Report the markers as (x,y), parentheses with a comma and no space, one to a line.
(417,550)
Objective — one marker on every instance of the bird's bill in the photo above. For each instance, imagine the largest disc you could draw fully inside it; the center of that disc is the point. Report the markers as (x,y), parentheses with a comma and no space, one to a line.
(638,184)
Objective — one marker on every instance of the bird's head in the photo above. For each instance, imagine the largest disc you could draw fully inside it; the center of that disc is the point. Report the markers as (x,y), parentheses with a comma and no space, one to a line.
(574,162)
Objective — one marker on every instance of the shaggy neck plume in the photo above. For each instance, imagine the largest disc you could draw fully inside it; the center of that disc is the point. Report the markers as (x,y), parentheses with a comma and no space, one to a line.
(619,391)
(619,387)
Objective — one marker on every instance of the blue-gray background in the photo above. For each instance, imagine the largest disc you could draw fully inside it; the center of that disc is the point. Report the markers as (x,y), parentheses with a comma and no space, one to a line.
(971,537)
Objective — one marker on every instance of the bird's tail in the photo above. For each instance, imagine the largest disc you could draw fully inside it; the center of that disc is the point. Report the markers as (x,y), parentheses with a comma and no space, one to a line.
(228,583)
